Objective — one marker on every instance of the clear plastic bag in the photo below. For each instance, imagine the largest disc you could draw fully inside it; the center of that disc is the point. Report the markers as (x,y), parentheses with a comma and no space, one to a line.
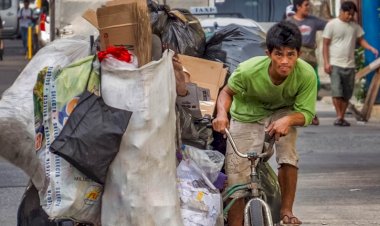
(200,200)
(210,161)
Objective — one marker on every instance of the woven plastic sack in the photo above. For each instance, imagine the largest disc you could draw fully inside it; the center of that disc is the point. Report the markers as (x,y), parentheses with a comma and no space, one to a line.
(69,193)
(140,187)
(16,107)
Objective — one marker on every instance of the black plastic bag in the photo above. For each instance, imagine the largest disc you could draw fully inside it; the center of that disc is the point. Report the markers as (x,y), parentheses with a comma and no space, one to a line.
(234,44)
(91,137)
(30,212)
(179,30)
(196,132)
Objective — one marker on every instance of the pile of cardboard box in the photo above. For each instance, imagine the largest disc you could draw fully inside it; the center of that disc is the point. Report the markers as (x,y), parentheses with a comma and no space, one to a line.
(206,78)
(124,23)
(127,23)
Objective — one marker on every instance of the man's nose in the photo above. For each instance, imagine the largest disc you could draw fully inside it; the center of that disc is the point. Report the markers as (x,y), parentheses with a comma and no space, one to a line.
(284,60)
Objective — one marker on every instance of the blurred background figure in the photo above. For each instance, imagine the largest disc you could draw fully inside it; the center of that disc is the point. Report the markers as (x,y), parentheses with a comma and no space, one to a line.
(25,19)
(339,42)
(308,25)
(1,40)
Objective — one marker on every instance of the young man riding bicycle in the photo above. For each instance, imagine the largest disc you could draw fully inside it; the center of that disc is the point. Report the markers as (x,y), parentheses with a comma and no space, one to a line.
(274,93)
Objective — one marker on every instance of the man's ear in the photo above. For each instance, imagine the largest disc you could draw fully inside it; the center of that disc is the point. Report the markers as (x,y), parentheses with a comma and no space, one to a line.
(267,52)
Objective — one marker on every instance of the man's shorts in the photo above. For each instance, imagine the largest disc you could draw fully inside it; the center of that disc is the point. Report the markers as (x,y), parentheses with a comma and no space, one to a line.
(250,137)
(342,82)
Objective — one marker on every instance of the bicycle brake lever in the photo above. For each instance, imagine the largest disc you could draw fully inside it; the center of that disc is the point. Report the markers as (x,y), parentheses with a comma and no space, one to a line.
(268,152)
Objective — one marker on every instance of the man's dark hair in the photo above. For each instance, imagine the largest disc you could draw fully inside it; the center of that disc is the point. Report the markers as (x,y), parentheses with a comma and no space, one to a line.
(348,6)
(284,34)
(297,3)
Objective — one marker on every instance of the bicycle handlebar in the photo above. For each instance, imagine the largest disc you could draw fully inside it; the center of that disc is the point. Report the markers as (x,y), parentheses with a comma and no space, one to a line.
(269,151)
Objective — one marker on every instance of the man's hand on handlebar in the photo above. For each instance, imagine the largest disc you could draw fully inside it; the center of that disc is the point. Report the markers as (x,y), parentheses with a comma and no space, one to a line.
(220,123)
(278,128)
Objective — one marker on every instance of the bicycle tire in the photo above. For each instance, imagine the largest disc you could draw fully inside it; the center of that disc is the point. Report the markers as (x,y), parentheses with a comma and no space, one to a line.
(256,213)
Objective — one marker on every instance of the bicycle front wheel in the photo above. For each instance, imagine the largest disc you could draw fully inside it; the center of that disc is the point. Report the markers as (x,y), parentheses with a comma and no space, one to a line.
(256,213)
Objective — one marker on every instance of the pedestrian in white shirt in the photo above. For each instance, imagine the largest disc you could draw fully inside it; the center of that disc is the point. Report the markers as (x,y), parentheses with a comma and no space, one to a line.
(25,20)
(339,41)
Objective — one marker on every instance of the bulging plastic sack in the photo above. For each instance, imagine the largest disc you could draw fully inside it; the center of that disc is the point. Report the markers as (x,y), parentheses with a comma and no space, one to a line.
(69,193)
(210,161)
(16,107)
(140,187)
(200,200)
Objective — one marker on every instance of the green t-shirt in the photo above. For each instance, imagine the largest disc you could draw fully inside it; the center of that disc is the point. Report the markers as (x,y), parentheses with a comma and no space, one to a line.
(257,97)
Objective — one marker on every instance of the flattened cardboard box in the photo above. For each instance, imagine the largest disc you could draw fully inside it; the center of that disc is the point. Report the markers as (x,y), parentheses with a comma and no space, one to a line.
(206,74)
(117,24)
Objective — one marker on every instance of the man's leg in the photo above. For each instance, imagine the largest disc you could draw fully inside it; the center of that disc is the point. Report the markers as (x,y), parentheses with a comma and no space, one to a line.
(337,101)
(1,49)
(287,177)
(344,106)
(24,38)
(236,213)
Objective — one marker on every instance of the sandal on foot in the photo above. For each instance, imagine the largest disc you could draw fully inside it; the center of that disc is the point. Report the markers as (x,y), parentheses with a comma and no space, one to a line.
(283,222)
(338,122)
(315,121)
(345,123)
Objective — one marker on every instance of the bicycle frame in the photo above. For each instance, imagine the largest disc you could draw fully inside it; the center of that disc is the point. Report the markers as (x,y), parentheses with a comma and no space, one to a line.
(254,186)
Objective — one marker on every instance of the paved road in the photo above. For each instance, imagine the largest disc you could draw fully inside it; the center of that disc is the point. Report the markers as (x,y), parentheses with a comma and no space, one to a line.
(339,181)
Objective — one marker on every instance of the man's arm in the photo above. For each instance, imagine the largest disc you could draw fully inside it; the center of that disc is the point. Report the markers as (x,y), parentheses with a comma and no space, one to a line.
(363,43)
(223,106)
(281,126)
(326,55)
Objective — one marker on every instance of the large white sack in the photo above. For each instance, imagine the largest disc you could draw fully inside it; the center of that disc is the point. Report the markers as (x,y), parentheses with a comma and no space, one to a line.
(69,193)
(141,183)
(16,106)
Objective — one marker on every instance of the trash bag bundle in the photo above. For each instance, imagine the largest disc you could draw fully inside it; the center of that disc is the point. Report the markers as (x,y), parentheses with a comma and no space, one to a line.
(234,44)
(178,29)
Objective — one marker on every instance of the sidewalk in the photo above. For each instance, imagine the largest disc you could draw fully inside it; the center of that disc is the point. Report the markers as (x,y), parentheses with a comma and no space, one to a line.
(326,108)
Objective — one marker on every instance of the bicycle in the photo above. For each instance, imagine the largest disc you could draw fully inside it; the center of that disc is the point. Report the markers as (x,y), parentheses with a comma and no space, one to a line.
(260,192)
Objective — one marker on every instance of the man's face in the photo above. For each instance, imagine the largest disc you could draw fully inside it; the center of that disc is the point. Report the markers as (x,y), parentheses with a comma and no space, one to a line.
(304,9)
(283,60)
(347,16)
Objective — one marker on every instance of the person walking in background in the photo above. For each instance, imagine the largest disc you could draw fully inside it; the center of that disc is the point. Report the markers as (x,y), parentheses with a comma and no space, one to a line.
(274,94)
(1,40)
(25,19)
(308,25)
(339,41)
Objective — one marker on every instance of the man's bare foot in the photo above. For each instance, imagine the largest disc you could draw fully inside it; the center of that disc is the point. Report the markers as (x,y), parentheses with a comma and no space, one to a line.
(289,219)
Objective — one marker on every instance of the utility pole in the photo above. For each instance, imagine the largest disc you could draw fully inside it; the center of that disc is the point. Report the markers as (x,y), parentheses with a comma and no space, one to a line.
(52,19)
